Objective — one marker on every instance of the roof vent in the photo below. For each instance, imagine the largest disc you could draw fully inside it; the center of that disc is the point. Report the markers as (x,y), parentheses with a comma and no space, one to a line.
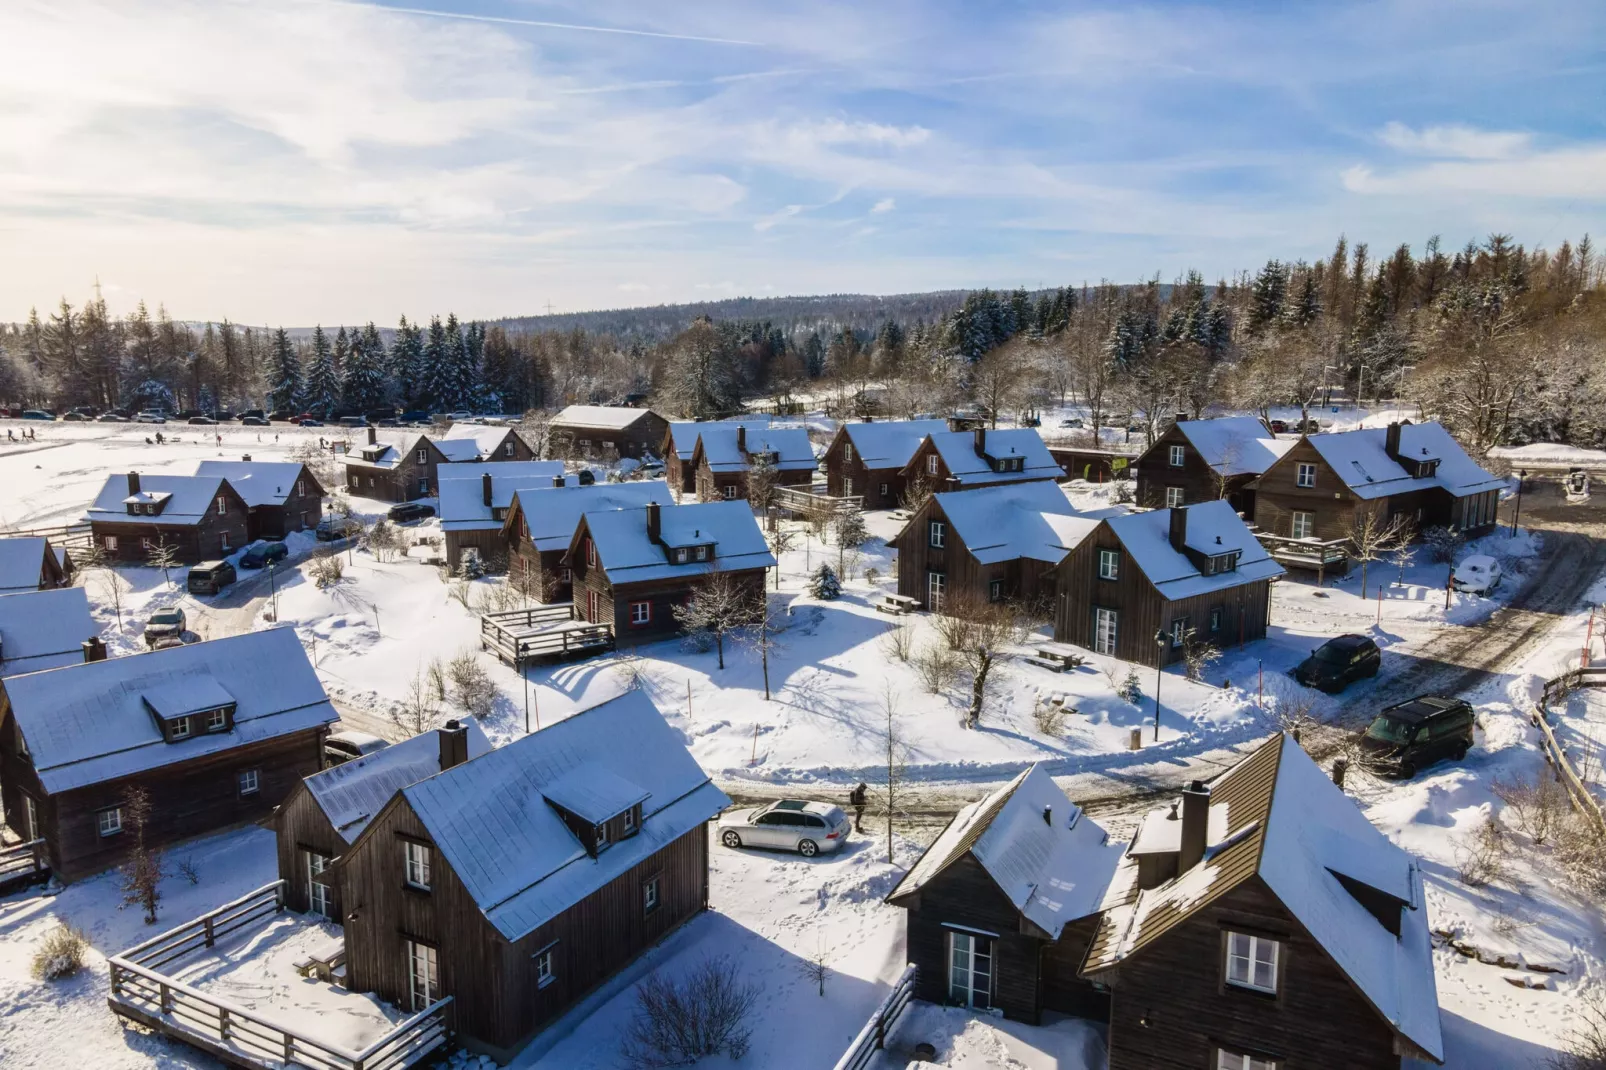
(1218,540)
(1048,815)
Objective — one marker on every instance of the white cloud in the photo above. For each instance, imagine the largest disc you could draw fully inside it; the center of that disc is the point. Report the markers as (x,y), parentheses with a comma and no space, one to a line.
(1455,141)
(885,204)
(778,217)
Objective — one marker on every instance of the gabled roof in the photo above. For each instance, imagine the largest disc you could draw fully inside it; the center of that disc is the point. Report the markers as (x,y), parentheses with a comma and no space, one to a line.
(22,564)
(389,454)
(683,433)
(472,442)
(1053,870)
(350,794)
(552,514)
(1234,445)
(958,452)
(610,417)
(1213,529)
(794,452)
(44,629)
(1289,825)
(628,555)
(88,723)
(1014,520)
(491,819)
(890,443)
(257,482)
(462,490)
(1361,460)
(188,498)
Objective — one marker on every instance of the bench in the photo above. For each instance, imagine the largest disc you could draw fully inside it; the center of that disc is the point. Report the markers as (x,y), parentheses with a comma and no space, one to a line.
(897,604)
(1062,654)
(1051,664)
(326,962)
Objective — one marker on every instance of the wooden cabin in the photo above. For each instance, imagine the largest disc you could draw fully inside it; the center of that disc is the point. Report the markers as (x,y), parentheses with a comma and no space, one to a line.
(45,630)
(30,563)
(475,498)
(681,439)
(521,880)
(1203,460)
(1092,465)
(632,567)
(326,812)
(724,454)
(606,432)
(201,517)
(1003,905)
(963,460)
(216,734)
(280,496)
(867,459)
(993,544)
(1320,487)
(1196,570)
(1263,922)
(399,472)
(466,443)
(540,527)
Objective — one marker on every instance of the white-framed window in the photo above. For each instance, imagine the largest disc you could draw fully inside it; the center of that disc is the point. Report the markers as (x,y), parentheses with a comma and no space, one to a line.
(1304,474)
(217,720)
(885,490)
(936,534)
(1216,616)
(682,555)
(640,613)
(180,728)
(931,464)
(630,821)
(847,486)
(701,553)
(109,822)
(30,814)
(565,576)
(995,590)
(603,839)
(144,543)
(110,542)
(1179,631)
(1104,629)
(649,895)
(1232,1060)
(320,897)
(1109,564)
(936,588)
(970,970)
(423,455)
(1178,456)
(728,490)
(1252,961)
(423,974)
(415,858)
(507,448)
(250,781)
(223,541)
(591,552)
(222,505)
(1304,525)
(1173,497)
(544,974)
(301,488)
(847,452)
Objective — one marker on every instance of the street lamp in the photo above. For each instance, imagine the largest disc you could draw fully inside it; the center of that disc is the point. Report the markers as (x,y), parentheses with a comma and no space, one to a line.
(1516,512)
(1160,640)
(273,587)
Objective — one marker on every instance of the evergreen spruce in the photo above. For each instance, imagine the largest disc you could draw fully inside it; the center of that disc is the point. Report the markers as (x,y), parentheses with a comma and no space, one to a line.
(362,381)
(406,366)
(322,386)
(435,380)
(824,585)
(285,375)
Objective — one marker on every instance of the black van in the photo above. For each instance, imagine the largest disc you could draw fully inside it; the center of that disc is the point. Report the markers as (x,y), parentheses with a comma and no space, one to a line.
(1338,662)
(210,577)
(1413,735)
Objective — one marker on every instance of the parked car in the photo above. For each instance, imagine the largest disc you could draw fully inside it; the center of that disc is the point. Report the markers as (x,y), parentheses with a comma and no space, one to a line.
(1413,735)
(342,747)
(407,511)
(353,421)
(415,416)
(790,825)
(1072,422)
(1339,662)
(151,416)
(253,421)
(164,624)
(337,527)
(185,414)
(310,422)
(203,421)
(585,477)
(281,415)
(37,414)
(111,418)
(1477,574)
(298,417)
(388,421)
(1279,427)
(264,554)
(75,417)
(258,413)
(210,577)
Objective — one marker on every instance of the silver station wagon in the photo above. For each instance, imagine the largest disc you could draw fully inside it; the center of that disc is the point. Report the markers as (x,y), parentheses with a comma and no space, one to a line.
(789,825)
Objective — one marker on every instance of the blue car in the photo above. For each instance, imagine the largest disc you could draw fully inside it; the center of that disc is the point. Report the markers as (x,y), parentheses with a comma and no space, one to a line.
(263,554)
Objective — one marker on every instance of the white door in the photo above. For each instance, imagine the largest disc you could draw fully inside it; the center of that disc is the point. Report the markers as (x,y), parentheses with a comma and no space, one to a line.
(320,897)
(970,970)
(423,974)
(936,587)
(1104,631)
(30,817)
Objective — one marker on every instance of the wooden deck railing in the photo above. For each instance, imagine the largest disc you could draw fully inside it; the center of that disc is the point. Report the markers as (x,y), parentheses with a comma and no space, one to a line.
(141,993)
(873,1037)
(519,635)
(69,536)
(23,864)
(1560,687)
(806,499)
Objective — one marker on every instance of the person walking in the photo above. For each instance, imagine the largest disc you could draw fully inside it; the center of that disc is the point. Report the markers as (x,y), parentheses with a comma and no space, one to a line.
(858,798)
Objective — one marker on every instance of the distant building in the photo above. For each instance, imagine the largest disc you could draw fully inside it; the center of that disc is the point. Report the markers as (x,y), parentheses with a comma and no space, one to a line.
(681,439)
(606,432)
(201,517)
(725,453)
(394,472)
(44,629)
(1203,460)
(475,498)
(467,442)
(31,564)
(280,496)
(540,527)
(867,459)
(962,460)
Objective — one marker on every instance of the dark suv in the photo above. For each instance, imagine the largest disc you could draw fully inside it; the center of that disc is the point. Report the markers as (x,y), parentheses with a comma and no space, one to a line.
(1413,735)
(210,577)
(1339,662)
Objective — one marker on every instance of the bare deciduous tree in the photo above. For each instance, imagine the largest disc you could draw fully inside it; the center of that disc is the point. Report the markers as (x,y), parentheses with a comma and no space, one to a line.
(142,874)
(1372,535)
(718,606)
(163,554)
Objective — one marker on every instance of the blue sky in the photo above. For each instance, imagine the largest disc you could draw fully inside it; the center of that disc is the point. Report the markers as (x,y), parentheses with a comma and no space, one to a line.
(300,161)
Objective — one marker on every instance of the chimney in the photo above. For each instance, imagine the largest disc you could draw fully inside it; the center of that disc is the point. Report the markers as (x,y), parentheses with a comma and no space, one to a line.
(485,488)
(981,441)
(557,481)
(741,438)
(1179,528)
(1195,825)
(94,649)
(373,437)
(454,744)
(654,521)
(246,457)
(1340,767)
(1391,441)
(133,484)
(869,419)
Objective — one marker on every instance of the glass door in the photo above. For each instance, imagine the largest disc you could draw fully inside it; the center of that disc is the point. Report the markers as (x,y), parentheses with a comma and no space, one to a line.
(319,895)
(1104,631)
(970,970)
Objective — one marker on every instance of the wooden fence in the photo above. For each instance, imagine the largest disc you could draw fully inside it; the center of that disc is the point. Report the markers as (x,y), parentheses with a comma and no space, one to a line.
(1559,688)
(1318,557)
(873,1037)
(62,536)
(241,1037)
(23,864)
(517,636)
(803,501)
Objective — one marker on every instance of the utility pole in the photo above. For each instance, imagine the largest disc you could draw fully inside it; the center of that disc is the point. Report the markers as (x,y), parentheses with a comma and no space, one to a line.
(1516,512)
(1159,670)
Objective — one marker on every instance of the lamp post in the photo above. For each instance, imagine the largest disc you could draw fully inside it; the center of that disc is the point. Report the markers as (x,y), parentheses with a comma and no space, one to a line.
(1516,512)
(1160,640)
(273,588)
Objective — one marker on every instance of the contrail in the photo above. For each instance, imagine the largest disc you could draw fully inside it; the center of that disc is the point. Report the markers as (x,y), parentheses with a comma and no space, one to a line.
(510,21)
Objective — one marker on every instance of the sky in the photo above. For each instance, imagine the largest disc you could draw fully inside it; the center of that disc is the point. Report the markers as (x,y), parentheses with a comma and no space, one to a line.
(302,161)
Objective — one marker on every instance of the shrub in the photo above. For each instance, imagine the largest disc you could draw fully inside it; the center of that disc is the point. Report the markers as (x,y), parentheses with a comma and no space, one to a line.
(1197,656)
(1131,690)
(679,1022)
(326,569)
(1585,1046)
(824,584)
(936,667)
(1050,718)
(499,597)
(1123,492)
(1537,806)
(60,954)
(1579,847)
(1482,855)
(383,540)
(1442,544)
(899,642)
(472,689)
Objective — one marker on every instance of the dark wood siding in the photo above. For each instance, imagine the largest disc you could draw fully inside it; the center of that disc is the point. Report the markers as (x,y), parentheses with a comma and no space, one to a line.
(645,435)
(614,600)
(966,578)
(881,488)
(1063,988)
(212,536)
(1198,481)
(301,825)
(409,480)
(1278,496)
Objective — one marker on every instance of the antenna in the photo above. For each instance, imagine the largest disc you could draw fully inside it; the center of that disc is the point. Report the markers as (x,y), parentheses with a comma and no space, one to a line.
(549,308)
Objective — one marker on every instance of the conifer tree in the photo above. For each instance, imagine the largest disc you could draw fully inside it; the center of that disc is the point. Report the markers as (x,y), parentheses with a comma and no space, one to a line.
(407,364)
(435,374)
(321,389)
(362,382)
(285,375)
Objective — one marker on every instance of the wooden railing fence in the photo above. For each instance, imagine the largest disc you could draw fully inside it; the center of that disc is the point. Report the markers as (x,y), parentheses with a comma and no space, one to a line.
(1560,687)
(22,864)
(140,992)
(519,635)
(873,1037)
(69,536)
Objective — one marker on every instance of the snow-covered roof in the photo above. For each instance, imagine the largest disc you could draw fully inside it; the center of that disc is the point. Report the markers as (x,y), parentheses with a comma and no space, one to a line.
(791,446)
(22,564)
(890,443)
(351,793)
(593,792)
(492,822)
(471,442)
(462,490)
(1014,520)
(89,722)
(1287,823)
(628,555)
(1234,445)
(257,482)
(611,417)
(385,454)
(553,513)
(187,497)
(958,452)
(1051,860)
(1361,460)
(1213,529)
(44,629)
(1549,454)
(683,433)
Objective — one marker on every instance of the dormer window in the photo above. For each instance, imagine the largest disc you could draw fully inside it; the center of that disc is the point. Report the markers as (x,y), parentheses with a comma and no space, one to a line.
(1216,564)
(217,720)
(178,728)
(682,555)
(701,553)
(1009,464)
(603,842)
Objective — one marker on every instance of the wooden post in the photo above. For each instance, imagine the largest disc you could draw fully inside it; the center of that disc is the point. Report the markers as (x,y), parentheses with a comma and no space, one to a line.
(754,760)
(289,1048)
(688,698)
(223,1023)
(166,996)
(206,923)
(1380,604)
(1589,635)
